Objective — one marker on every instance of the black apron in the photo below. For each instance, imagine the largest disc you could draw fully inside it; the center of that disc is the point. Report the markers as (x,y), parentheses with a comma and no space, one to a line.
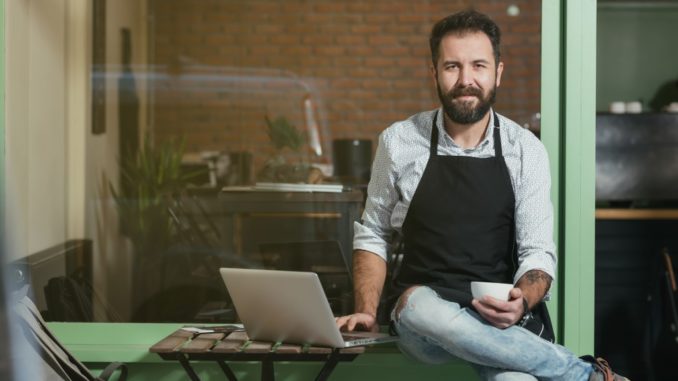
(460,225)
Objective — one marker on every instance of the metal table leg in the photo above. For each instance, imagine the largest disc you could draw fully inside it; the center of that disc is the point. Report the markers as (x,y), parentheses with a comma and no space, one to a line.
(267,371)
(329,366)
(183,360)
(227,371)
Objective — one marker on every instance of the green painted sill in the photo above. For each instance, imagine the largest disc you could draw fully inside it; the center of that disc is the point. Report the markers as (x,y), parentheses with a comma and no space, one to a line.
(129,342)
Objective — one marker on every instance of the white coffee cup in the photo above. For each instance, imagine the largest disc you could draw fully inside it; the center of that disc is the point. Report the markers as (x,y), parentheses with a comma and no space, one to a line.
(617,107)
(672,107)
(496,290)
(634,107)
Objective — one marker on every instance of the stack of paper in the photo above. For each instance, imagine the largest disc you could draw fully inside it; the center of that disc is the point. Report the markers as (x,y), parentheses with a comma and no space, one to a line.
(292,187)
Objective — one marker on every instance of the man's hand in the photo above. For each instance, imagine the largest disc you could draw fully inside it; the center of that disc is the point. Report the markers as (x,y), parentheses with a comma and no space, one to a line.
(499,313)
(359,321)
(369,273)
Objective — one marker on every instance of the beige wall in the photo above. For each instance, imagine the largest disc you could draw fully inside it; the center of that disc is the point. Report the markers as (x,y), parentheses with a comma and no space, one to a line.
(35,125)
(112,263)
(57,170)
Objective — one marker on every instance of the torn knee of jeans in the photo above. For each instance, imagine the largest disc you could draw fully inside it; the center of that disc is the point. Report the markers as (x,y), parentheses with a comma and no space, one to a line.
(403,301)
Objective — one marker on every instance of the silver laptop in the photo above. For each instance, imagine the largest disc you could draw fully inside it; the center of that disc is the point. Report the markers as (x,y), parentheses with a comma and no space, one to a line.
(290,307)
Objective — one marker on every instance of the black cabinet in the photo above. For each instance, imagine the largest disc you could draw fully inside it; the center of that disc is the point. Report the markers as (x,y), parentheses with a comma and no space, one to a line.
(627,250)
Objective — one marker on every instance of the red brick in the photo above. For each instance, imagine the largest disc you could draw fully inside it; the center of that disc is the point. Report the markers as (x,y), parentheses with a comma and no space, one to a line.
(346,60)
(296,50)
(285,39)
(351,39)
(380,84)
(360,7)
(394,51)
(329,50)
(383,40)
(365,29)
(318,39)
(378,61)
(332,7)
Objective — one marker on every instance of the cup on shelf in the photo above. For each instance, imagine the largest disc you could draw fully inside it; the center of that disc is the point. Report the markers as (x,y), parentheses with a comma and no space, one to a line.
(617,107)
(634,107)
(672,107)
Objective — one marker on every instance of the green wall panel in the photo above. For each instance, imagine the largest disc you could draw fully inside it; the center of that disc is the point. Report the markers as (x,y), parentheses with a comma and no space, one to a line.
(366,367)
(577,176)
(551,122)
(2,119)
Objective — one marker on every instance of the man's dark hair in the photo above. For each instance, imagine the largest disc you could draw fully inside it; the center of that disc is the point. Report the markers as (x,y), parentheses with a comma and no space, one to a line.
(460,23)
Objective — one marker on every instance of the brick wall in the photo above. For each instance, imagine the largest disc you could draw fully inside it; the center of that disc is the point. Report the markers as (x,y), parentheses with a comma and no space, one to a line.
(229,63)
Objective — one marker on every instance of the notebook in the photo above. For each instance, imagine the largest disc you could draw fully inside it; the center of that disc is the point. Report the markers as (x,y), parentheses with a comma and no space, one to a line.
(290,307)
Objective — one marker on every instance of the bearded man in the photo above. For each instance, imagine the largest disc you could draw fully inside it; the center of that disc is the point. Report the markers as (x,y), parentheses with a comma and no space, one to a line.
(468,190)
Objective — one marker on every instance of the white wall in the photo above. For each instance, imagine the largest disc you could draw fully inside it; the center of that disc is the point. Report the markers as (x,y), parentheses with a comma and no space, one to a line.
(35,125)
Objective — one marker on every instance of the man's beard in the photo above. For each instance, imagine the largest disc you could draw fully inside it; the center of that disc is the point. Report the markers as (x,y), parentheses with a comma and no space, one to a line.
(464,112)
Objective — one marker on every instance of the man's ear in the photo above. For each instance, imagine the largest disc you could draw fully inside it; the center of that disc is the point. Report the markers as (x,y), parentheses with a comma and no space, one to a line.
(434,73)
(500,69)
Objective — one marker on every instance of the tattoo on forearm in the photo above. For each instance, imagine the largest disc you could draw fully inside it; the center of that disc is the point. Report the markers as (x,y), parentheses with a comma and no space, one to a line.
(534,276)
(535,284)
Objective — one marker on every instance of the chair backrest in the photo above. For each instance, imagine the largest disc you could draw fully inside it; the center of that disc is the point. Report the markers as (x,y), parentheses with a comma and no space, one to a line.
(57,362)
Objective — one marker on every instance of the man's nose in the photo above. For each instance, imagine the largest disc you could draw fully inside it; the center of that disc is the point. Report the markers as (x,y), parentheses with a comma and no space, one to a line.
(465,77)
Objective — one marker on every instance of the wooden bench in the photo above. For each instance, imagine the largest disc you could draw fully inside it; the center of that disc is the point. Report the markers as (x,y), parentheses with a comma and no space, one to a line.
(229,344)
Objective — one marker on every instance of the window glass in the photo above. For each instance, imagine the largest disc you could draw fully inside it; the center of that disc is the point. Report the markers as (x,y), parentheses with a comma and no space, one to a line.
(192,105)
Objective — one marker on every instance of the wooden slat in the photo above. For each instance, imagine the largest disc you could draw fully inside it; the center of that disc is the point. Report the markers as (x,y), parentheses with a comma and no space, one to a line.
(202,343)
(172,342)
(258,347)
(232,343)
(288,348)
(319,350)
(352,350)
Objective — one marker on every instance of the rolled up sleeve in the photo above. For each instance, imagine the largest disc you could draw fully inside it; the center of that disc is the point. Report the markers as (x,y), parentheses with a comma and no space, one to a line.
(374,232)
(534,214)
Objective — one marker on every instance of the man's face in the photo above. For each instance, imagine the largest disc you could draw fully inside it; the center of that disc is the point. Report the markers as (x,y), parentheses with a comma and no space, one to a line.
(466,76)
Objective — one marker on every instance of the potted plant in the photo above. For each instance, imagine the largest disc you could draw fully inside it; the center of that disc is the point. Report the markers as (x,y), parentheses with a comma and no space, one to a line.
(285,136)
(149,180)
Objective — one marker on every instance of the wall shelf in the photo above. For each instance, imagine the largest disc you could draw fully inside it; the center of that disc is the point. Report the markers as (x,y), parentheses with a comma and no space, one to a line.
(637,214)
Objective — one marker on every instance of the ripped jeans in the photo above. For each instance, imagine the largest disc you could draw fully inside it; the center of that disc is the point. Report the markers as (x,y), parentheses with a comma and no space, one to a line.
(434,331)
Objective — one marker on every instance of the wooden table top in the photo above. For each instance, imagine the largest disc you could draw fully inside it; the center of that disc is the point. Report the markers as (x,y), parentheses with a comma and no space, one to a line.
(235,344)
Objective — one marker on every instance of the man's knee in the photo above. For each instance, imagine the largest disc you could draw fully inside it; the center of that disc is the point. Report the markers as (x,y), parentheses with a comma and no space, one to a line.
(403,301)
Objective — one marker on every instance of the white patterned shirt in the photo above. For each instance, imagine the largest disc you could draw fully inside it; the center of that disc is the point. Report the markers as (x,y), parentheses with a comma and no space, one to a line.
(399,163)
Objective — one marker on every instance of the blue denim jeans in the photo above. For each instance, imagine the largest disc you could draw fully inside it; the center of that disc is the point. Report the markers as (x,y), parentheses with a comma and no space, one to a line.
(434,331)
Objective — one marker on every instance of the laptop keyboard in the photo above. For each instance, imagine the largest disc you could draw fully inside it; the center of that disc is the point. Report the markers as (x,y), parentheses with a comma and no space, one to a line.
(349,337)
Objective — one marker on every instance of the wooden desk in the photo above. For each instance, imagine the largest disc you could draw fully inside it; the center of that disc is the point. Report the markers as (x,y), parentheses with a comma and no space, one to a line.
(251,218)
(230,345)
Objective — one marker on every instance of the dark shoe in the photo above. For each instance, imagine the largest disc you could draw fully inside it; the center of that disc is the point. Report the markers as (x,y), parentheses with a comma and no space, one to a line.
(602,370)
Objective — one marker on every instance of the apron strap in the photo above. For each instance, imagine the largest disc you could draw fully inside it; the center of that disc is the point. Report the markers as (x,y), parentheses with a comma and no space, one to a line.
(433,149)
(497,139)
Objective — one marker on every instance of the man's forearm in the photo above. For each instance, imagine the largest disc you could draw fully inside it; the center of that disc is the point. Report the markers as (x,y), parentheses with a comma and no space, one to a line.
(369,273)
(534,284)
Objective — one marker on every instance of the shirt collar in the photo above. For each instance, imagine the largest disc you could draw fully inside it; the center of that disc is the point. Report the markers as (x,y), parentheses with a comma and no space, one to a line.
(440,123)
